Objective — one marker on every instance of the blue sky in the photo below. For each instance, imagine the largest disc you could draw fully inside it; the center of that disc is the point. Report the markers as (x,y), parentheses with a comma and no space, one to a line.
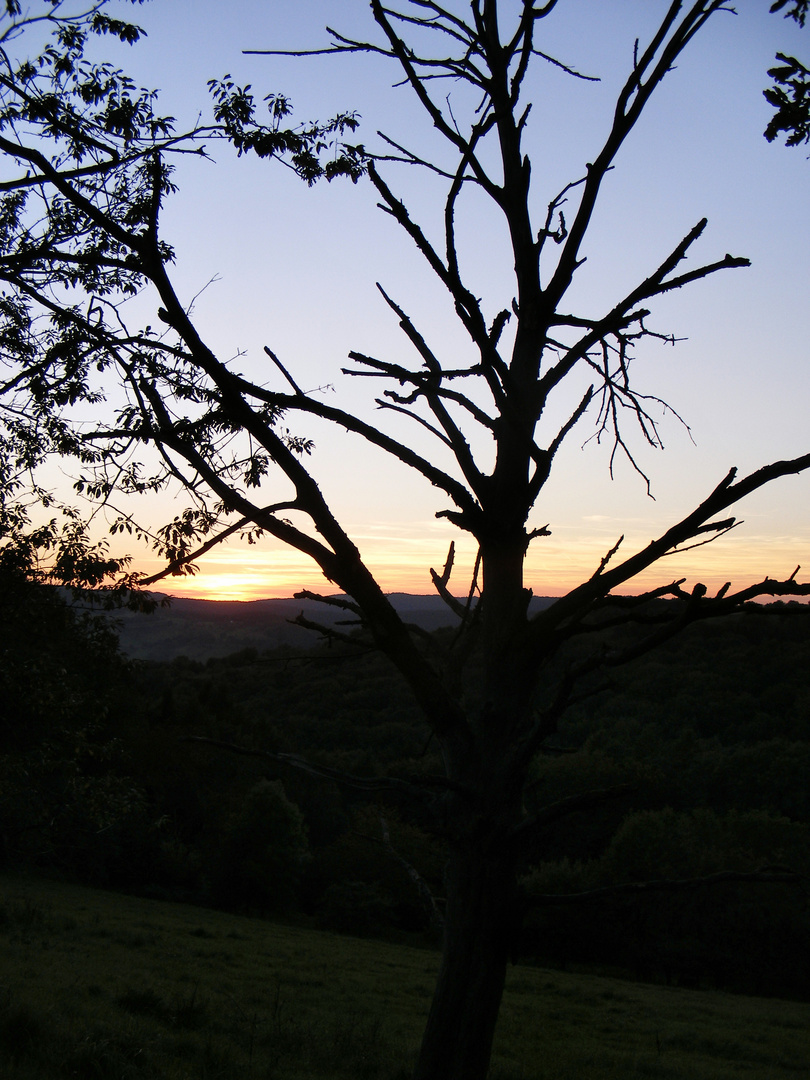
(294,268)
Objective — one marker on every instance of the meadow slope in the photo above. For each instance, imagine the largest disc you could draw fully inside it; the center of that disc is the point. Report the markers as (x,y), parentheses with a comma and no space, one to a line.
(101,985)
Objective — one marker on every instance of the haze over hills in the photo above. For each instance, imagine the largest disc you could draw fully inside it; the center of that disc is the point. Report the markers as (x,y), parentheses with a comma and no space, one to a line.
(201,629)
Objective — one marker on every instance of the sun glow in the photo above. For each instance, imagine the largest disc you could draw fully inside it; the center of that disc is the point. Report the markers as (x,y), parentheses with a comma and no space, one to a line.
(402,563)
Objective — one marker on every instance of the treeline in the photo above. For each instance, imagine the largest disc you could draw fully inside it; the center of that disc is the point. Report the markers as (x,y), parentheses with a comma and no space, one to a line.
(704,748)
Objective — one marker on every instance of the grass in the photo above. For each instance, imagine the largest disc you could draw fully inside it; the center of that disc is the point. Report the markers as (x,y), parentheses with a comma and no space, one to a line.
(106,987)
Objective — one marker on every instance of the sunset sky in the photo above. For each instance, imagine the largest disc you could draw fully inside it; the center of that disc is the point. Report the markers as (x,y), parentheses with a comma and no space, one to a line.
(294,268)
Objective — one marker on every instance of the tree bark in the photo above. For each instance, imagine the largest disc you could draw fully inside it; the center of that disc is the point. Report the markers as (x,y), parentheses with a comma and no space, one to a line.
(478,939)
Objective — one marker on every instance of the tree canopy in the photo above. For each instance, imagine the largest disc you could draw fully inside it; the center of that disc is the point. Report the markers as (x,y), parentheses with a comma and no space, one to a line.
(790,93)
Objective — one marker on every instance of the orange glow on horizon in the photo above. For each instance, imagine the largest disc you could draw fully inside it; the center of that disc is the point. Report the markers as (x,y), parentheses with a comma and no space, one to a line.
(404,567)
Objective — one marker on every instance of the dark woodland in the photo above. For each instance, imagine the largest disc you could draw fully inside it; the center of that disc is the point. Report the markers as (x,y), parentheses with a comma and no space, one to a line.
(704,749)
(594,781)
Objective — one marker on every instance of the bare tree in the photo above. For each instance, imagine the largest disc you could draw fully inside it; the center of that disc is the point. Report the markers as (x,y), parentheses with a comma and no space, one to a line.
(84,212)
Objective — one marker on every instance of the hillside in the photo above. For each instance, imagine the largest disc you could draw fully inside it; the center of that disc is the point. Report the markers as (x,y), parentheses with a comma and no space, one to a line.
(201,629)
(107,986)
(705,745)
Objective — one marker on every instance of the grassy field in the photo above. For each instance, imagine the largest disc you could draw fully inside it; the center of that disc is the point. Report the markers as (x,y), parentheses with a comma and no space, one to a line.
(106,987)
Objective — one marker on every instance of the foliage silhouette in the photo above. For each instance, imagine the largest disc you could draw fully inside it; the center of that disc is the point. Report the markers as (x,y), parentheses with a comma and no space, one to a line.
(69,800)
(790,93)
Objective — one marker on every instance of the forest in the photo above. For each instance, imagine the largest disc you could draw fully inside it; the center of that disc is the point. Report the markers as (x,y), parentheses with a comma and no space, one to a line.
(702,749)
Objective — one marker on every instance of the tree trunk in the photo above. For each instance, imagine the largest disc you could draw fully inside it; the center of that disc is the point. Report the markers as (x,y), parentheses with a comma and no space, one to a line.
(478,937)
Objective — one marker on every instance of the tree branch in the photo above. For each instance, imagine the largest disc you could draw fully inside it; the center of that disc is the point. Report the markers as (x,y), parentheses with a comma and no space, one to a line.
(417,787)
(767,874)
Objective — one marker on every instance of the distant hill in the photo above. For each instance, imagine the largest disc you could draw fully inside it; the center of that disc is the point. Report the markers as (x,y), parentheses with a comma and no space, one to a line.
(201,629)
